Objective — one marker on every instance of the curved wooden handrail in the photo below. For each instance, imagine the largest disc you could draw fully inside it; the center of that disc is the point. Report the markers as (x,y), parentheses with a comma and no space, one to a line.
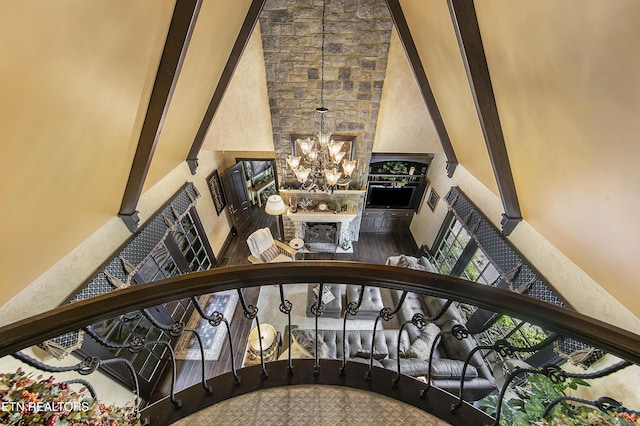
(38,328)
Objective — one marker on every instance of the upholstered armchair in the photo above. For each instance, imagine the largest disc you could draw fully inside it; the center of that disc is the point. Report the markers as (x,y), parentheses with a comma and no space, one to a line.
(264,249)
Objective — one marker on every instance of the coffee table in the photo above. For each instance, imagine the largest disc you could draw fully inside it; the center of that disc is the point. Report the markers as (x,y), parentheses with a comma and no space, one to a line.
(332,309)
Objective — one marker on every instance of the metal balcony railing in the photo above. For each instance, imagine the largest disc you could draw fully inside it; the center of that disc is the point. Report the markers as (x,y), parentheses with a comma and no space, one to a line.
(449,381)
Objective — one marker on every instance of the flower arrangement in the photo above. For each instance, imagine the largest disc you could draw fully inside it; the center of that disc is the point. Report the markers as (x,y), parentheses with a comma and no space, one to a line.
(28,401)
(306,204)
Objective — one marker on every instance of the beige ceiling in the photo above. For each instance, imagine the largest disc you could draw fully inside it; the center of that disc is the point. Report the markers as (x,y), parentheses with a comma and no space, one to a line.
(565,77)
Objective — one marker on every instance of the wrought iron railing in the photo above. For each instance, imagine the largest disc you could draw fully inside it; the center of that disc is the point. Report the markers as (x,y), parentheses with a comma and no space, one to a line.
(450,399)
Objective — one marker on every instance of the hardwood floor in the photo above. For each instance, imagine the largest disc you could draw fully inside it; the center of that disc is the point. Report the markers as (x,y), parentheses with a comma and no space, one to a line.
(370,248)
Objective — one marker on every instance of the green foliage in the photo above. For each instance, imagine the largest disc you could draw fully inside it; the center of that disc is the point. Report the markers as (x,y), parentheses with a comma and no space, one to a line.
(530,400)
(395,167)
(528,334)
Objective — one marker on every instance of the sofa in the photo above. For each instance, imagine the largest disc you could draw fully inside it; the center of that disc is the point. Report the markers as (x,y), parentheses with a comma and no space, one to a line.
(413,350)
(449,347)
(482,382)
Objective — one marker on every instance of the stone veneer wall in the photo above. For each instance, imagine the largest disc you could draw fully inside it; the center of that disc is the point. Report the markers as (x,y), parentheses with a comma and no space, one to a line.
(357,36)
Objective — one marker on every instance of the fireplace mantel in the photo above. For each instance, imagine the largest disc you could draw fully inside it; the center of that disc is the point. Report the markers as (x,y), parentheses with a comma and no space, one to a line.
(324,217)
(343,219)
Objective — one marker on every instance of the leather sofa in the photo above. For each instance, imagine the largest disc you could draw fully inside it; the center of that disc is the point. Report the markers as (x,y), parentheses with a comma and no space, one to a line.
(449,355)
(449,347)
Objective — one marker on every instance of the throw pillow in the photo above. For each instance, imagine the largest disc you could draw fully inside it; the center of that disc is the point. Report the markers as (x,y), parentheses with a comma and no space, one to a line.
(421,347)
(269,254)
(409,263)
(402,350)
(307,340)
(423,261)
(404,262)
(327,296)
(363,353)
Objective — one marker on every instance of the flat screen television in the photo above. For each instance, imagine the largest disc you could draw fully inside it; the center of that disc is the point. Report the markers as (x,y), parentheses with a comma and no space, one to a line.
(390,197)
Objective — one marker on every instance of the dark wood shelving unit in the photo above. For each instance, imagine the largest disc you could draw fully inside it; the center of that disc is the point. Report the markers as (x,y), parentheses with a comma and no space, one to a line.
(395,188)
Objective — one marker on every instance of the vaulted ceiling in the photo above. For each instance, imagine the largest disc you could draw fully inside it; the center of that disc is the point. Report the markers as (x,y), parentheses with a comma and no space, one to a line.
(537,100)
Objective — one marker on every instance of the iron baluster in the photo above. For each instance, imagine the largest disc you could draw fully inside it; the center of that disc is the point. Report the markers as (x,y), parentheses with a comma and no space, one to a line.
(136,345)
(317,309)
(352,308)
(285,308)
(214,320)
(419,320)
(386,314)
(251,312)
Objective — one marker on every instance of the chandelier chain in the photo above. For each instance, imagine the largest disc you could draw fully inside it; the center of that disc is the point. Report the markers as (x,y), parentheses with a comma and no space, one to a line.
(324,3)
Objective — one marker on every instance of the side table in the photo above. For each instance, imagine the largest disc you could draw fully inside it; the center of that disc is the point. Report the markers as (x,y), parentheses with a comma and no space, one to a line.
(298,244)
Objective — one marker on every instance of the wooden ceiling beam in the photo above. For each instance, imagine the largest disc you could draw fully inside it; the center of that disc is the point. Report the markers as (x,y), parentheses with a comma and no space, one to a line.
(180,31)
(248,25)
(423,83)
(465,22)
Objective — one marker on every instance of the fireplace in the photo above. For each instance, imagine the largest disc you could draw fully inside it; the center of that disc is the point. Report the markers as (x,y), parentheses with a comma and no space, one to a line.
(321,236)
(343,225)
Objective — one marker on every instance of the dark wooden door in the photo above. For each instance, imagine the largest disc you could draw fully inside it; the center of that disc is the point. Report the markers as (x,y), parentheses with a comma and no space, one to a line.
(235,190)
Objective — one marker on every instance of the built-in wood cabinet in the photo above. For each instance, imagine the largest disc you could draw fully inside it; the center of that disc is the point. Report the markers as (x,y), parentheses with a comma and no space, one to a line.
(395,187)
(397,181)
(385,220)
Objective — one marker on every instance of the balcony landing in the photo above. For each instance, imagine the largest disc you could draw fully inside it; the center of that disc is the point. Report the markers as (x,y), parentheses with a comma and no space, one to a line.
(311,405)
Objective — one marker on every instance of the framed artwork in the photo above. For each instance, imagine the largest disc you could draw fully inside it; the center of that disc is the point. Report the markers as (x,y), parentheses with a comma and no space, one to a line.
(216,192)
(432,199)
(348,147)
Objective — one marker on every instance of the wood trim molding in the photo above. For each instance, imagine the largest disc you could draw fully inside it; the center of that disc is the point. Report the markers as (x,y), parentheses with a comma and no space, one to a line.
(423,83)
(465,22)
(179,34)
(248,25)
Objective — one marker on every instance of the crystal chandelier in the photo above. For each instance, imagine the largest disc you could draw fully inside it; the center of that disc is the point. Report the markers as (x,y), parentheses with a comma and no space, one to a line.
(321,165)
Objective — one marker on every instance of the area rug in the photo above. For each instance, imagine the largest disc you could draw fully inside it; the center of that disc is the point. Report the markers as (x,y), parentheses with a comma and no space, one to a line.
(212,337)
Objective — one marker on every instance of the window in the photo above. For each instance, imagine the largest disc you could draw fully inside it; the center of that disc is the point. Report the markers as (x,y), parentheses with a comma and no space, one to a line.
(459,255)
(160,250)
(451,248)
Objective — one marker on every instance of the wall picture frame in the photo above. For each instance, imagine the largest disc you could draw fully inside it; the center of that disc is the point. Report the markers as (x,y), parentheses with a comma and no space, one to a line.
(215,186)
(432,199)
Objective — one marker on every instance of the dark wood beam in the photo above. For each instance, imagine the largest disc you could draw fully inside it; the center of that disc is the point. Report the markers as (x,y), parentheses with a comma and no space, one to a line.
(423,83)
(465,22)
(248,25)
(181,28)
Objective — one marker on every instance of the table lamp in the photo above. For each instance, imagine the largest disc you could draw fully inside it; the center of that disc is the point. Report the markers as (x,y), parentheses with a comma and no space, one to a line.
(269,341)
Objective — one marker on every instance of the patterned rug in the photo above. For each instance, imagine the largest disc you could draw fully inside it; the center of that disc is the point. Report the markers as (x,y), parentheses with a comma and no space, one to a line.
(317,405)
(212,337)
